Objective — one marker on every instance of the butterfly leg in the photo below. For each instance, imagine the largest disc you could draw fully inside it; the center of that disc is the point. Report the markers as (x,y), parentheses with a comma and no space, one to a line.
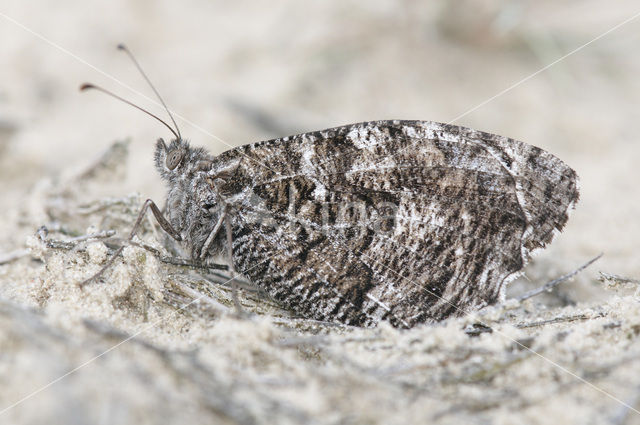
(164,223)
(229,234)
(214,232)
(229,240)
(232,269)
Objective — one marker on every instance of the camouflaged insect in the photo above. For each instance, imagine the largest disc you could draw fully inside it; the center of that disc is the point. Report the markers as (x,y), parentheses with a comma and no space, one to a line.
(403,221)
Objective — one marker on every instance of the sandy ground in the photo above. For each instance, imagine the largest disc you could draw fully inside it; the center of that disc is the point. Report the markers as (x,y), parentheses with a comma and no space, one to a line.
(240,72)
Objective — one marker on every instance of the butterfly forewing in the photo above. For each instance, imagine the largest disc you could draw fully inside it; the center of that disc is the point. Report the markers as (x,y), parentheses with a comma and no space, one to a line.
(406,221)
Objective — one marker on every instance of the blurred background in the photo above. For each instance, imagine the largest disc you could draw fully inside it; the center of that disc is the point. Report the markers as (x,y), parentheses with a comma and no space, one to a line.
(239,72)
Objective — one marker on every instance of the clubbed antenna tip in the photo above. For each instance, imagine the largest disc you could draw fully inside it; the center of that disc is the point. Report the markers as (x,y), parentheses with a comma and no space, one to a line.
(87,86)
(124,48)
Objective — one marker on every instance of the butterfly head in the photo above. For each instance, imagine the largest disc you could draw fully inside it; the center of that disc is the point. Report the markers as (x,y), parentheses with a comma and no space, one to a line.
(171,159)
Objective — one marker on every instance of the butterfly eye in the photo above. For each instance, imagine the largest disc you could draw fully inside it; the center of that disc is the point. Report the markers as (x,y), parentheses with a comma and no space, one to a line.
(173,158)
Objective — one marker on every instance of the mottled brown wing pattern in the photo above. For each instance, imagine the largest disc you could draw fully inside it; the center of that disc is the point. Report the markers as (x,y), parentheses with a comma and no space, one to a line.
(406,221)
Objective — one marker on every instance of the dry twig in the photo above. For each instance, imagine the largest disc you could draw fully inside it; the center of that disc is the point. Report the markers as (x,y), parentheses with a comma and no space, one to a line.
(547,287)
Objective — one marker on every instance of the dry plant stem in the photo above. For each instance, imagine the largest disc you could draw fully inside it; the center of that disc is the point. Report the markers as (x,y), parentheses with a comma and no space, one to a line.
(552,284)
(560,319)
(224,279)
(298,322)
(104,234)
(73,242)
(101,205)
(164,223)
(121,336)
(13,255)
(616,278)
(177,261)
(183,262)
(217,307)
(232,271)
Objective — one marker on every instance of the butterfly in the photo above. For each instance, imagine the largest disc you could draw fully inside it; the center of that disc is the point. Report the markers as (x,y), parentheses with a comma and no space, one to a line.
(402,221)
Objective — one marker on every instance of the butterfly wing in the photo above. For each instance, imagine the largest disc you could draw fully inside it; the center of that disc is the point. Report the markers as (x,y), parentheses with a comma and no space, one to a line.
(406,221)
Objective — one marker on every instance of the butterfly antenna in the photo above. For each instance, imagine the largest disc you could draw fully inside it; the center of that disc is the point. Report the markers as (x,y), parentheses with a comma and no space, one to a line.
(133,59)
(88,86)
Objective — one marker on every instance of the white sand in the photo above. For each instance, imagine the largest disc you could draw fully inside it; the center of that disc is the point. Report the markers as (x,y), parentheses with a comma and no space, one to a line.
(252,71)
